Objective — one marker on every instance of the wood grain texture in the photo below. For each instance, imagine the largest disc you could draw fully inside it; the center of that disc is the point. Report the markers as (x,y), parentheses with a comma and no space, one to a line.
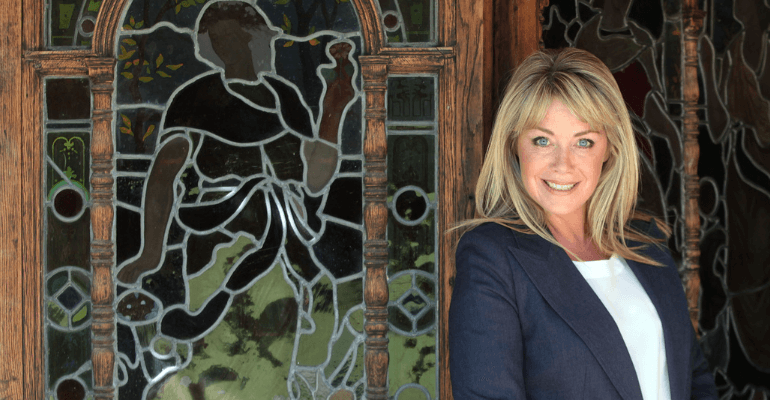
(516,32)
(101,72)
(31,136)
(693,21)
(32,234)
(463,90)
(376,357)
(11,196)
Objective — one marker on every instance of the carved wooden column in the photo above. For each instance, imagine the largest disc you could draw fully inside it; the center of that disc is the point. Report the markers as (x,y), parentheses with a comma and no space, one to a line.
(693,21)
(101,72)
(376,215)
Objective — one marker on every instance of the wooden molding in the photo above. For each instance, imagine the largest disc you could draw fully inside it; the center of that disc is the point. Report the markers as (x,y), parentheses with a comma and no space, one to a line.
(101,72)
(376,215)
(693,21)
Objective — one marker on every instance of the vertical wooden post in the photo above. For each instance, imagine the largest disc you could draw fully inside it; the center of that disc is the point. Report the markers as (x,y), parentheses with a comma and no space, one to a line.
(11,197)
(101,72)
(693,21)
(376,214)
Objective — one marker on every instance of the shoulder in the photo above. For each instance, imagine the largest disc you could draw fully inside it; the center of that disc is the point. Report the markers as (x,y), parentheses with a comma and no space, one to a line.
(493,234)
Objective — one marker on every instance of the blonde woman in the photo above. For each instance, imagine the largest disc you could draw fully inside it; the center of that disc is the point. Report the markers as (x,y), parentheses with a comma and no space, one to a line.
(563,290)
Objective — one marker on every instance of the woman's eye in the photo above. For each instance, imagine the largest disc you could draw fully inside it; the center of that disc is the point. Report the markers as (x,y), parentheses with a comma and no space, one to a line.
(587,143)
(540,141)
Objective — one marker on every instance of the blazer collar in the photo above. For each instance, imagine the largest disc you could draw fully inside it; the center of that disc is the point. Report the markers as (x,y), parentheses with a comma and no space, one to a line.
(567,292)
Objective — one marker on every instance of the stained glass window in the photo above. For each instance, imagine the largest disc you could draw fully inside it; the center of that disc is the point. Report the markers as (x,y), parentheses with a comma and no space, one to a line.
(642,43)
(239,223)
(409,22)
(412,205)
(67,288)
(71,23)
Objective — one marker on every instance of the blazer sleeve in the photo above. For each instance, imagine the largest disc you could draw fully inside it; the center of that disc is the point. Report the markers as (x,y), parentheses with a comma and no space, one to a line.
(485,339)
(703,386)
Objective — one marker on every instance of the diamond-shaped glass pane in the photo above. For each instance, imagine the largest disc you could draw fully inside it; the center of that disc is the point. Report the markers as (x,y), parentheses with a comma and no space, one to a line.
(414,302)
(70,298)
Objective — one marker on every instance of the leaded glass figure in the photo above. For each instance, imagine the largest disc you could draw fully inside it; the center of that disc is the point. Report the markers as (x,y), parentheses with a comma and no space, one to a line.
(239,232)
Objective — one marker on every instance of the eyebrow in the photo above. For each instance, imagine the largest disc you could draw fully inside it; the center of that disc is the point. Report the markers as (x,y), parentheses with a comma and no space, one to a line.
(581,133)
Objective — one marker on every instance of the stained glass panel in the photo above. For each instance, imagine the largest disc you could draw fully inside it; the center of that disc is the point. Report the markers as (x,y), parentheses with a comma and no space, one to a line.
(71,23)
(239,213)
(412,273)
(643,45)
(67,201)
(409,22)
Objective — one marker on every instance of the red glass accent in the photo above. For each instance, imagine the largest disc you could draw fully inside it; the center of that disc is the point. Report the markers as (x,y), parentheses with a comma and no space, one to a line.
(87,26)
(391,21)
(70,389)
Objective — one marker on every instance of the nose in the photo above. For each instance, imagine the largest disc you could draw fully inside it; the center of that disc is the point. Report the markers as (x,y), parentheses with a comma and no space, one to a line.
(562,160)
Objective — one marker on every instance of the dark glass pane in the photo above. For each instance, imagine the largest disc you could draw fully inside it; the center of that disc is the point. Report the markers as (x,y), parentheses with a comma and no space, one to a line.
(137,131)
(411,99)
(70,389)
(68,351)
(68,99)
(68,243)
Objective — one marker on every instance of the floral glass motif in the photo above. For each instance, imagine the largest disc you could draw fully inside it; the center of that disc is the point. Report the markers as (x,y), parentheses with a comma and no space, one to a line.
(642,43)
(239,212)
(412,275)
(67,275)
(409,22)
(71,23)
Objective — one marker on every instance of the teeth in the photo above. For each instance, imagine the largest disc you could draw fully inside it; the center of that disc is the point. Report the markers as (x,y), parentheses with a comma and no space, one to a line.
(559,187)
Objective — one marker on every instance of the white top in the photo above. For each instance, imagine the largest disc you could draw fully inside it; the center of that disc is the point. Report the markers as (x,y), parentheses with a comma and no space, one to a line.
(630,306)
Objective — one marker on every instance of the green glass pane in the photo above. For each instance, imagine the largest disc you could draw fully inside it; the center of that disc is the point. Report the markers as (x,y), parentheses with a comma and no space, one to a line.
(411,98)
(249,351)
(81,316)
(70,163)
(81,280)
(409,21)
(341,353)
(313,347)
(57,315)
(67,352)
(63,18)
(56,282)
(412,247)
(412,360)
(163,346)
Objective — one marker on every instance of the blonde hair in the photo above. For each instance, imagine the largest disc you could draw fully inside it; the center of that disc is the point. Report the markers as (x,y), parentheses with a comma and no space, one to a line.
(585,85)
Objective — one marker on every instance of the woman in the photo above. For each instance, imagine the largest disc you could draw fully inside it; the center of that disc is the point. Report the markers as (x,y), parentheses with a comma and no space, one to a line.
(563,290)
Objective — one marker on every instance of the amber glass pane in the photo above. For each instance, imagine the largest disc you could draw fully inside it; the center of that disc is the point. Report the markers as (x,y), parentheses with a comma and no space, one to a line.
(239,212)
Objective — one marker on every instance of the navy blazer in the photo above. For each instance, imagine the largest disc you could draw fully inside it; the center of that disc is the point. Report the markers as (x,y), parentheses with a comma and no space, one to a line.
(524,323)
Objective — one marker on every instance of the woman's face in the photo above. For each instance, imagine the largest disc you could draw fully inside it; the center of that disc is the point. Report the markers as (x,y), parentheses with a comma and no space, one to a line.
(561,161)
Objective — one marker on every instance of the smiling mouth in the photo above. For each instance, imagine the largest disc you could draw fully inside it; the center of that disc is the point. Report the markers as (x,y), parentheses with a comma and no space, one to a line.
(561,188)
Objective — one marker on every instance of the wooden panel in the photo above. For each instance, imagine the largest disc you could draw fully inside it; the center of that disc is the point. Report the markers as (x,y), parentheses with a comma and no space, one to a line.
(11,196)
(462,93)
(515,32)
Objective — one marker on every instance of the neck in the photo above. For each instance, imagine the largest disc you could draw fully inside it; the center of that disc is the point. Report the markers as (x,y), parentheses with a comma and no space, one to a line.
(570,232)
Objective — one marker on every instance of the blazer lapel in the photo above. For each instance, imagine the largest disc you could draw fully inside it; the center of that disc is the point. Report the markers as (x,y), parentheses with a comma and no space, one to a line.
(567,292)
(662,294)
